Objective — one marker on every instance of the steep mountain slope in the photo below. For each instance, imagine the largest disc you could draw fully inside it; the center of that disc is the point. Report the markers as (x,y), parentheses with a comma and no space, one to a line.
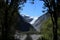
(36,22)
(39,22)
(23,25)
(27,18)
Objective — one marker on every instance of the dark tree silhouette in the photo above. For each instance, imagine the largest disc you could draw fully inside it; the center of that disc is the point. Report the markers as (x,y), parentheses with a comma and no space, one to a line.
(8,10)
(53,6)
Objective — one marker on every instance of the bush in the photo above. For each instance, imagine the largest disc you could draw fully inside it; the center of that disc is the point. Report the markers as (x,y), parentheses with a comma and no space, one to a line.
(47,29)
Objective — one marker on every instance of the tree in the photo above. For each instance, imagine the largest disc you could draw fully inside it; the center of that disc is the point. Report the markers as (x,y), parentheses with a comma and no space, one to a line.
(52,6)
(8,11)
(47,28)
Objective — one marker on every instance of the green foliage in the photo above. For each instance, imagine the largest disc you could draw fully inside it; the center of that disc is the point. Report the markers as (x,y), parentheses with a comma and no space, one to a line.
(47,29)
(58,29)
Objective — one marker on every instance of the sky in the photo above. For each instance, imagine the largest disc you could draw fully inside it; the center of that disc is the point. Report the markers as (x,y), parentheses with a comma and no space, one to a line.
(33,10)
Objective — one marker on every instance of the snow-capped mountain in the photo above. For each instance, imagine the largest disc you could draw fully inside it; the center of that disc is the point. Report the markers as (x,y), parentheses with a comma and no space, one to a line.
(29,19)
(36,21)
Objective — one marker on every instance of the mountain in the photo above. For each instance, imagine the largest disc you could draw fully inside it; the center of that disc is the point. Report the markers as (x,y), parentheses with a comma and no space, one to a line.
(23,25)
(27,18)
(38,23)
